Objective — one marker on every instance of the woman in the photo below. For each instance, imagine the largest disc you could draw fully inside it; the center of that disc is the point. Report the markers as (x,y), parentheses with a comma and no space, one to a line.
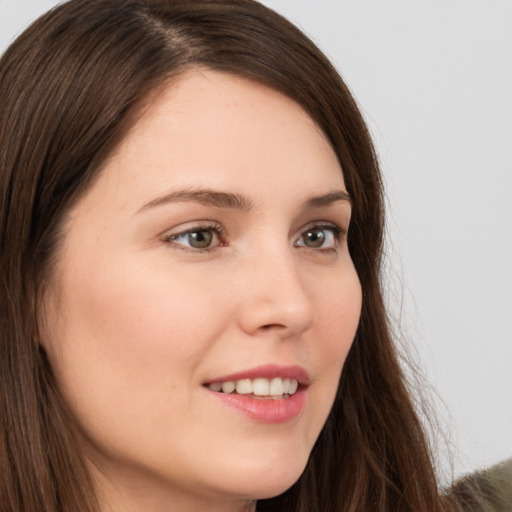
(191,239)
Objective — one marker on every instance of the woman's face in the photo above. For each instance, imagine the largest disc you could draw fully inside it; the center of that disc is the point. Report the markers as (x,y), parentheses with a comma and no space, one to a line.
(210,253)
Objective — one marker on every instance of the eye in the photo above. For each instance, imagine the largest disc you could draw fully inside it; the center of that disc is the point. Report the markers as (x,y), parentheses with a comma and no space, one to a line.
(198,238)
(320,237)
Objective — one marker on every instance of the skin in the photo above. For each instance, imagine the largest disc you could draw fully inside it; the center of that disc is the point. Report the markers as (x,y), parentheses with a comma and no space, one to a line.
(139,320)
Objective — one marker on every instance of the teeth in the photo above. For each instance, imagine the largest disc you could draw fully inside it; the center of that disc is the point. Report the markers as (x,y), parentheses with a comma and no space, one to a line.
(276,387)
(244,387)
(258,387)
(228,387)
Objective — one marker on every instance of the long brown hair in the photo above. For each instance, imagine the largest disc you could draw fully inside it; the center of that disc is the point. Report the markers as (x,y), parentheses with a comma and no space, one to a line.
(70,87)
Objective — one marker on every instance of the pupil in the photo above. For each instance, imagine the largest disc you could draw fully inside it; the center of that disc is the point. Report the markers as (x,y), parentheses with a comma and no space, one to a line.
(315,238)
(200,239)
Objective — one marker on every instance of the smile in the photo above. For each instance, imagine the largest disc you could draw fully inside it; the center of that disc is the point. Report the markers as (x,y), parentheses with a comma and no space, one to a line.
(269,393)
(274,388)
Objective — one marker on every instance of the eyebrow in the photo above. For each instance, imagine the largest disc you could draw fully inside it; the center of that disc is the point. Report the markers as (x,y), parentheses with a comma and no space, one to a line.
(327,199)
(234,201)
(205,197)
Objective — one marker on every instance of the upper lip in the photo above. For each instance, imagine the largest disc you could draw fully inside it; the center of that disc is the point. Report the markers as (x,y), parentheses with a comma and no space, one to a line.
(268,371)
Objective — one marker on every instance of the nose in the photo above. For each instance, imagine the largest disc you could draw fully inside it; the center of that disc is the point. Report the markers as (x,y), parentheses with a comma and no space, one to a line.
(273,296)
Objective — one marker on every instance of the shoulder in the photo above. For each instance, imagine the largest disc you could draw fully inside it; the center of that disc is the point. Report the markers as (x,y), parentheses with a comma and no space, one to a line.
(486,491)
(500,477)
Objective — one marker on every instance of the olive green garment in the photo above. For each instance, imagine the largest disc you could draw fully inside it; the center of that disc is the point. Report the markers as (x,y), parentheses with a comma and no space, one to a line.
(485,491)
(500,478)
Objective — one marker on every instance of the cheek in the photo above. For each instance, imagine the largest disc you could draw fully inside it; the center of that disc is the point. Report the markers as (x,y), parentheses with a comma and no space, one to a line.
(339,309)
(123,334)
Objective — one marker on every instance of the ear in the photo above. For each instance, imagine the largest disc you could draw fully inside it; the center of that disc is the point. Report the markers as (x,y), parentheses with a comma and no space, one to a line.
(47,319)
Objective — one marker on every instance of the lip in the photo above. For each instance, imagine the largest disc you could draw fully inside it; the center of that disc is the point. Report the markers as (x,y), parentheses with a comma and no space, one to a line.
(267,371)
(265,410)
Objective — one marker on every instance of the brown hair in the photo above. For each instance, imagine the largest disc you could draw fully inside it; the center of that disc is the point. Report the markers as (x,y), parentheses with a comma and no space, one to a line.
(69,88)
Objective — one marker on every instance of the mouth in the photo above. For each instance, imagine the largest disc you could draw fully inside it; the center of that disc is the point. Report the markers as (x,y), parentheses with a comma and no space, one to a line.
(259,388)
(266,394)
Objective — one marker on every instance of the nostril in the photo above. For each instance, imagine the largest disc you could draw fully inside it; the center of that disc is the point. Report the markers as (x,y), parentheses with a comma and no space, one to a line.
(269,327)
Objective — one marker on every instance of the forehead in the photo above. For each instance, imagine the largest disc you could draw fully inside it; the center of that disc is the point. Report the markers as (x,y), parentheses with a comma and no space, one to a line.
(222,131)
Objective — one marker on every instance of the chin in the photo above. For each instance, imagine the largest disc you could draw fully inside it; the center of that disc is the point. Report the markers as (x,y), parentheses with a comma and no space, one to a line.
(275,488)
(268,481)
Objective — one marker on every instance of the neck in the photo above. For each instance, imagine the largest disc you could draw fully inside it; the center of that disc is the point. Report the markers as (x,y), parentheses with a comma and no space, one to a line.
(131,493)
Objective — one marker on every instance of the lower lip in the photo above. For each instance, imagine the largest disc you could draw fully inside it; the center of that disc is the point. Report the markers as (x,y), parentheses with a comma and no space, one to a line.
(265,410)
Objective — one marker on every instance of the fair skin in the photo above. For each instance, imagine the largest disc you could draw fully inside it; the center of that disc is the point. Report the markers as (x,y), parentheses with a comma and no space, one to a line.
(161,293)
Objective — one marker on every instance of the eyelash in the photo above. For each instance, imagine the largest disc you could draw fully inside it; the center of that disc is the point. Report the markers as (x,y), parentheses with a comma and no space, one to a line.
(338,233)
(217,229)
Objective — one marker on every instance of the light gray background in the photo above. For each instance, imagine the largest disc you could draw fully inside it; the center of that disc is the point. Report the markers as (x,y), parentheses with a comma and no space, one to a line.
(434,79)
